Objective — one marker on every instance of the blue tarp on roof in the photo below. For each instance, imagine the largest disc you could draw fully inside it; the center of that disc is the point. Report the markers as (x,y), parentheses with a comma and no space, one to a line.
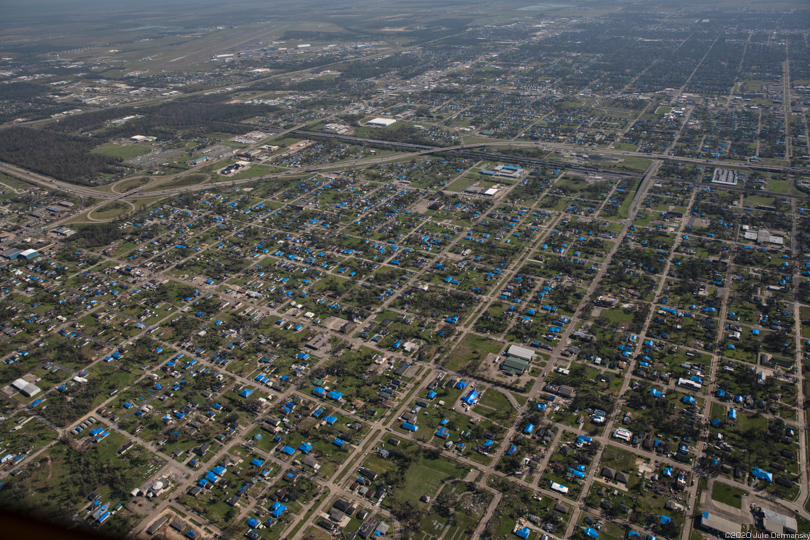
(590,532)
(277,509)
(762,475)
(471,397)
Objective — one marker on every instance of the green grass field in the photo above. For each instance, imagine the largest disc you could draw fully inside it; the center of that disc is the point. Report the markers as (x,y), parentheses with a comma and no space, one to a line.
(727,495)
(472,347)
(126,152)
(188,180)
(110,211)
(779,186)
(132,183)
(425,477)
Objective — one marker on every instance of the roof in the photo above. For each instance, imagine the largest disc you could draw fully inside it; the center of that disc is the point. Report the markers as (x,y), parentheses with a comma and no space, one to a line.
(786,524)
(591,532)
(515,366)
(520,352)
(716,523)
(762,475)
(381,122)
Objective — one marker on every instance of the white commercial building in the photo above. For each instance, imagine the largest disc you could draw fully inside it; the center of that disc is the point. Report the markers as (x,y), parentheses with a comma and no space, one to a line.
(521,352)
(25,388)
(381,122)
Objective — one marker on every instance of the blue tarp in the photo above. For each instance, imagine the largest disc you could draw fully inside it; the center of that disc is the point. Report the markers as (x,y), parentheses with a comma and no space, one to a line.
(762,475)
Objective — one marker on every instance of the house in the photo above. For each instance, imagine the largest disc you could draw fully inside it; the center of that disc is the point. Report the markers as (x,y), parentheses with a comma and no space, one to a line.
(784,481)
(367,473)
(621,477)
(762,475)
(608,473)
(343,506)
(156,525)
(368,528)
(561,508)
(623,434)
(566,391)
(336,515)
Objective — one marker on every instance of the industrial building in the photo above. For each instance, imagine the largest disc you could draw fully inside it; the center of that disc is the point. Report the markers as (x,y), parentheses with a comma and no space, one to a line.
(25,388)
(719,526)
(14,254)
(724,177)
(380,122)
(515,366)
(521,353)
(776,523)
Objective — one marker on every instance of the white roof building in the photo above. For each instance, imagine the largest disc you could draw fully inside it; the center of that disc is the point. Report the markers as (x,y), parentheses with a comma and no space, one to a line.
(623,434)
(520,352)
(381,122)
(25,388)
